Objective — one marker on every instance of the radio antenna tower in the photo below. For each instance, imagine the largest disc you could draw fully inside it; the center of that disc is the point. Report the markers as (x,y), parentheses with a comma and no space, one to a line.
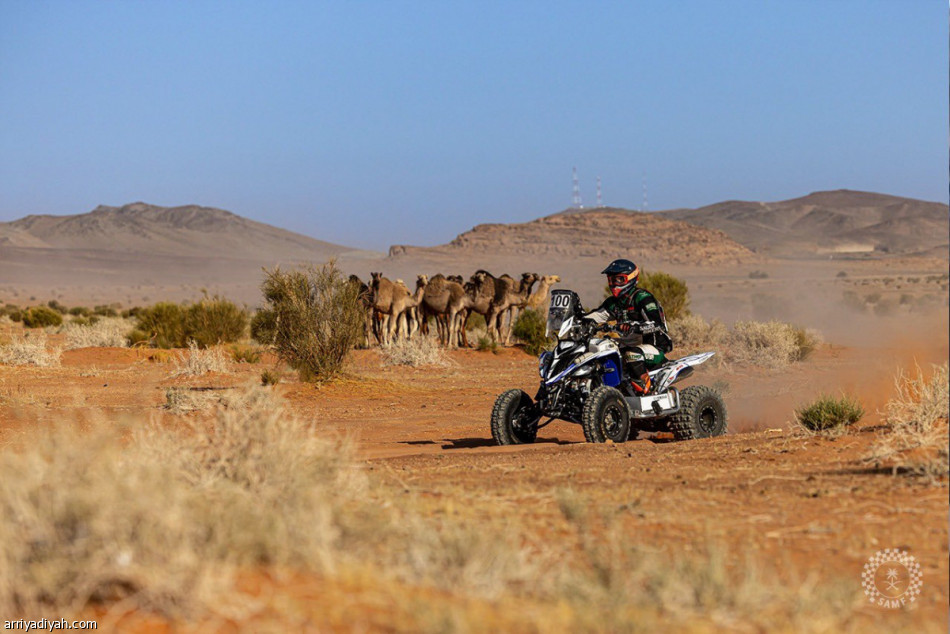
(576,202)
(644,207)
(600,202)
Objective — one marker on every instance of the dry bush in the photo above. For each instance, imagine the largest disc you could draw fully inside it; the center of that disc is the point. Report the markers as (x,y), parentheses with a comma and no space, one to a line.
(692,332)
(312,320)
(828,415)
(916,439)
(86,517)
(187,400)
(414,352)
(107,332)
(773,344)
(618,585)
(29,350)
(197,361)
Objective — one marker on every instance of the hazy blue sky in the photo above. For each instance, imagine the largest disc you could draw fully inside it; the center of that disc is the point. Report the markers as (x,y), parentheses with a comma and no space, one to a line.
(378,123)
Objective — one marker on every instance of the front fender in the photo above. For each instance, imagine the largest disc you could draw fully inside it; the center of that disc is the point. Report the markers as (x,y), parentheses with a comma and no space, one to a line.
(607,357)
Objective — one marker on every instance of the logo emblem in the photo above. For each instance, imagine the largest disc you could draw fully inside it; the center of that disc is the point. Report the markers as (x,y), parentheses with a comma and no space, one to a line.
(891,578)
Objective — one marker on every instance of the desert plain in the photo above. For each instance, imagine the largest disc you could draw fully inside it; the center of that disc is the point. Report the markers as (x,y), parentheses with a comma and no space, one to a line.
(429,526)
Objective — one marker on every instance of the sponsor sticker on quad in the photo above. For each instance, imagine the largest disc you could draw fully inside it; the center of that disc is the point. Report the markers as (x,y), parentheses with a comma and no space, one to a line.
(892,578)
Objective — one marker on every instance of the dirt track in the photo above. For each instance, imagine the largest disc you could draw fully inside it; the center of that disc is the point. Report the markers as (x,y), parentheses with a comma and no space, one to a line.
(804,505)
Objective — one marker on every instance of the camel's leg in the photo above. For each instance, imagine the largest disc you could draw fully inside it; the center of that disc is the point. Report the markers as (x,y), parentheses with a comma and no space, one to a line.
(463,322)
(512,317)
(452,329)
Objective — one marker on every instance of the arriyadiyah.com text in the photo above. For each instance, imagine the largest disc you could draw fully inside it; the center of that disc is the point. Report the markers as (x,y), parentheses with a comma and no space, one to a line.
(25,625)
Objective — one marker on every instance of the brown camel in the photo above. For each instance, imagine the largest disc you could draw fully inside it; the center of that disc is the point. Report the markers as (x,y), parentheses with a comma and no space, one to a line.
(480,289)
(509,296)
(365,299)
(442,297)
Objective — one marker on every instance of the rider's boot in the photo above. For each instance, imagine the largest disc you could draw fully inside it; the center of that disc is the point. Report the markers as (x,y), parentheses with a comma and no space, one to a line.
(642,385)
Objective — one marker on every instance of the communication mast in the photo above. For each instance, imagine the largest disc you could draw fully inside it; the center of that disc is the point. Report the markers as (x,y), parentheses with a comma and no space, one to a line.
(576,202)
(644,207)
(600,202)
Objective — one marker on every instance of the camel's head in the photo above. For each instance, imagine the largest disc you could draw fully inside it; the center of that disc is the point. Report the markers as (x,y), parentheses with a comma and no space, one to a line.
(376,275)
(530,278)
(551,279)
(422,280)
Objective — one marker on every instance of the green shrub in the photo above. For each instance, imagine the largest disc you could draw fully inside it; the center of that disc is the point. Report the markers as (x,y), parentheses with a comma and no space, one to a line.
(214,320)
(270,377)
(476,321)
(529,328)
(312,320)
(670,291)
(41,317)
(59,308)
(107,310)
(129,313)
(486,343)
(245,354)
(162,324)
(80,311)
(829,414)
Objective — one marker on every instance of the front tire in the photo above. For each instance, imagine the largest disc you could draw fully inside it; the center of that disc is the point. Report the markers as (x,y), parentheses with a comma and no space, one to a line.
(702,414)
(514,419)
(605,416)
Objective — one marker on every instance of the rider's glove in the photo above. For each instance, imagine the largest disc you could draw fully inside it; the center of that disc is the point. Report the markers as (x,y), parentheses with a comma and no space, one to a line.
(624,328)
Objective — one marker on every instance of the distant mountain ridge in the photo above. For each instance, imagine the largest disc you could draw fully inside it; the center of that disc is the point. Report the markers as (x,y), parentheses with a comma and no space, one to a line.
(602,232)
(189,230)
(827,222)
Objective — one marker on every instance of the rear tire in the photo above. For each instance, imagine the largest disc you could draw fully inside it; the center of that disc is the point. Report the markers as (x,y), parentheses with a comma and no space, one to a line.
(514,419)
(702,414)
(605,416)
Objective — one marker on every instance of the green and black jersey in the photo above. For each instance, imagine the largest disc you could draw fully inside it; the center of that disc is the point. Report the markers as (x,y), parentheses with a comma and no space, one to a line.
(636,305)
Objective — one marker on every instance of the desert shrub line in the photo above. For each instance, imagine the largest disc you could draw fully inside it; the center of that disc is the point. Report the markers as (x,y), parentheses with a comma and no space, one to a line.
(312,319)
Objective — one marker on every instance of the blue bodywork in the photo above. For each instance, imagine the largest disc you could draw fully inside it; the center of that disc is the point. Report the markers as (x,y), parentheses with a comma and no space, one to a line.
(611,373)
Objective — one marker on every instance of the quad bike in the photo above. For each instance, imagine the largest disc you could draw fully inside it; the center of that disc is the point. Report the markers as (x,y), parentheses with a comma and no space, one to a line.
(582,382)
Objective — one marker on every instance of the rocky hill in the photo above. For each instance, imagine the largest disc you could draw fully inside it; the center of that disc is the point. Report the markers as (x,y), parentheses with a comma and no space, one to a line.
(602,232)
(823,223)
(150,230)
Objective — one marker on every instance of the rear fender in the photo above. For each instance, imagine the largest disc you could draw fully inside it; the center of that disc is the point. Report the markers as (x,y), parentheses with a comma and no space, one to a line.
(668,374)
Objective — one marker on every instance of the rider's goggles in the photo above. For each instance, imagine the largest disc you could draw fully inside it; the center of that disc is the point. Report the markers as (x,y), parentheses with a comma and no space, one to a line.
(620,279)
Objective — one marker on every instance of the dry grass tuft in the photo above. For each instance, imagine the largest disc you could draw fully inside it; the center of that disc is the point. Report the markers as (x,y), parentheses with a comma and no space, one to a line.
(773,344)
(29,349)
(197,361)
(107,332)
(916,439)
(415,352)
(187,400)
(86,517)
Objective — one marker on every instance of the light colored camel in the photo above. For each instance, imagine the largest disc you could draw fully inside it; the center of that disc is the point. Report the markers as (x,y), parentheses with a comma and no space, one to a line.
(442,297)
(538,300)
(390,300)
(509,296)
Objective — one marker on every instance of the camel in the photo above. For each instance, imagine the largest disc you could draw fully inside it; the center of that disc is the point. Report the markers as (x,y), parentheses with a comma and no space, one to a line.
(509,295)
(538,300)
(365,298)
(395,302)
(442,297)
(410,316)
(480,289)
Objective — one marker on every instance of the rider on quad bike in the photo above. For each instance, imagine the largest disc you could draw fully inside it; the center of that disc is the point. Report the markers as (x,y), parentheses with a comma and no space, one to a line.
(629,306)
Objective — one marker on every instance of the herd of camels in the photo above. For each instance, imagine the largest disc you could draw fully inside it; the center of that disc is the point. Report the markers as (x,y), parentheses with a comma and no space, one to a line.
(395,312)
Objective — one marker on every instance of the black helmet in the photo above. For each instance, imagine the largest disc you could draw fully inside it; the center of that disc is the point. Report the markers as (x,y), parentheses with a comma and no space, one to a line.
(621,276)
